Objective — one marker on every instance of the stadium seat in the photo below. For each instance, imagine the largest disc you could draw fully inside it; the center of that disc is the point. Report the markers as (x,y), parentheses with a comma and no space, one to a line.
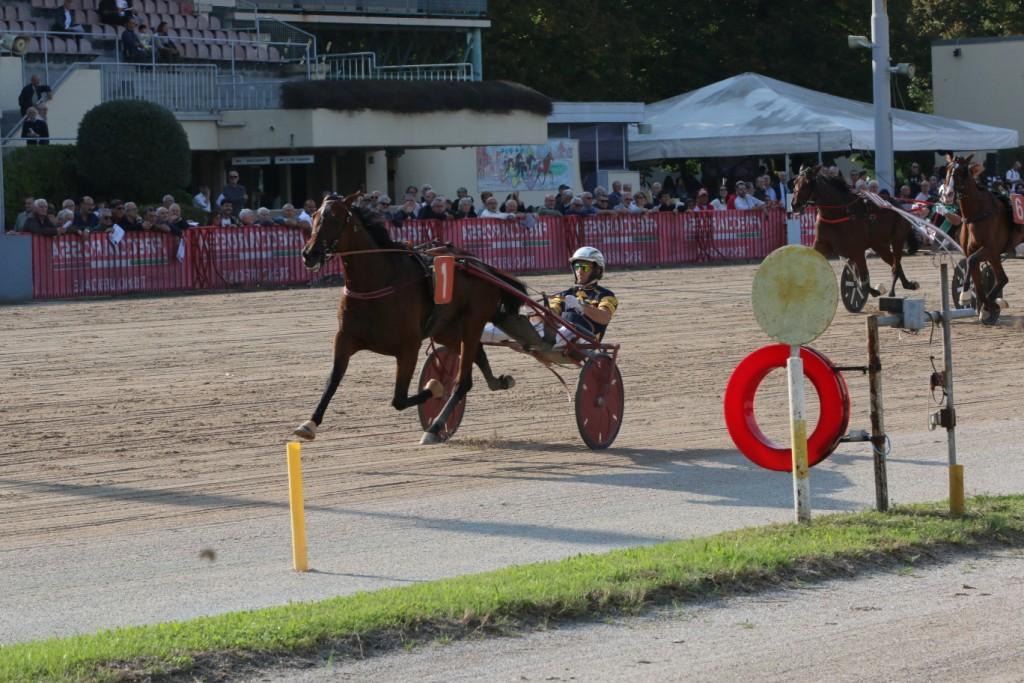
(161,7)
(203,51)
(58,46)
(190,50)
(179,21)
(214,23)
(24,13)
(147,7)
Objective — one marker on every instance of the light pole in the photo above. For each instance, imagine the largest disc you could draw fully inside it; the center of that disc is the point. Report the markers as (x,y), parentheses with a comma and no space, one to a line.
(880,69)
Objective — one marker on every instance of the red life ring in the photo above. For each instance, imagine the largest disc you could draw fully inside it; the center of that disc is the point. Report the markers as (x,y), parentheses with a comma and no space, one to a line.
(833,397)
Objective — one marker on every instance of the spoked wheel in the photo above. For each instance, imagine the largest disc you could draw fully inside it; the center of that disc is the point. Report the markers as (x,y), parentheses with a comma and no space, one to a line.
(854,295)
(442,365)
(599,401)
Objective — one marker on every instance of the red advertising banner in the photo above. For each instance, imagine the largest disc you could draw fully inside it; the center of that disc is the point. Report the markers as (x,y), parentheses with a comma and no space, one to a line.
(93,265)
(217,258)
(230,257)
(516,246)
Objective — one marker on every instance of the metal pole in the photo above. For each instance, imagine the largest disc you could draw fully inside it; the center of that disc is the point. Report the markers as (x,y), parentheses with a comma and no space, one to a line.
(819,149)
(3,218)
(880,92)
(877,416)
(798,436)
(478,55)
(948,415)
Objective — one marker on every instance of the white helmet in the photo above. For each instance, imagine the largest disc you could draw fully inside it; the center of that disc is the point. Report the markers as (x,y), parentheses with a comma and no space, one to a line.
(589,254)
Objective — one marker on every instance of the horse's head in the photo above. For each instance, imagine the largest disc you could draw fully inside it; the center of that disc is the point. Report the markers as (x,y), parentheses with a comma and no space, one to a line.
(330,222)
(803,186)
(958,174)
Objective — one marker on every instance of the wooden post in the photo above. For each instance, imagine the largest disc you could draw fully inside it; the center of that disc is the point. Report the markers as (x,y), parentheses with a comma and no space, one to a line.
(956,472)
(877,416)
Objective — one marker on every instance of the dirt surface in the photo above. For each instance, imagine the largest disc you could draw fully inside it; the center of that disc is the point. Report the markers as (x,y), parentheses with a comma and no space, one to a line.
(137,433)
(957,621)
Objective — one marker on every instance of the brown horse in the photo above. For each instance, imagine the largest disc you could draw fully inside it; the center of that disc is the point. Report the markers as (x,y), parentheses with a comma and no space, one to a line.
(387,307)
(848,225)
(987,232)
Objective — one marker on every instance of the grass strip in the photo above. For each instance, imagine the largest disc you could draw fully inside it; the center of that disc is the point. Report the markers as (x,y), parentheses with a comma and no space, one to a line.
(518,597)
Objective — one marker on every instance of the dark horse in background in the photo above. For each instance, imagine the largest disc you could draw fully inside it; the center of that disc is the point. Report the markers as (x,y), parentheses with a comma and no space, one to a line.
(387,307)
(848,225)
(987,232)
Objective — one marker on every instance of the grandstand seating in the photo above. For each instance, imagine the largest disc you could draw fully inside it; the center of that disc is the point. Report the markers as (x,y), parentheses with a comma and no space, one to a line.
(199,37)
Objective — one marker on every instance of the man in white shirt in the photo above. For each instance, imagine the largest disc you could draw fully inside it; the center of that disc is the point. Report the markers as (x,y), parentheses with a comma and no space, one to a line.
(746,201)
(1013,175)
(491,210)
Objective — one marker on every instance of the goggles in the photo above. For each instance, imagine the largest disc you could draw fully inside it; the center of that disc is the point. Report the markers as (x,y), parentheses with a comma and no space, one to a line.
(582,267)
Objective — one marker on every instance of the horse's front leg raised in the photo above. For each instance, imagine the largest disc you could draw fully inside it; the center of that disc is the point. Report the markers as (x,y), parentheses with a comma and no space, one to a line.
(403,376)
(343,350)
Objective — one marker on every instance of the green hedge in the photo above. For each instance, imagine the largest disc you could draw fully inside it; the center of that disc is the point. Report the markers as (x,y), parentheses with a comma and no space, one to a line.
(49,171)
(132,149)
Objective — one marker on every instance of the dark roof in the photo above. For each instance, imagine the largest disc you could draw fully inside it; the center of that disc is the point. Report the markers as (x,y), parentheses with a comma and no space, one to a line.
(414,97)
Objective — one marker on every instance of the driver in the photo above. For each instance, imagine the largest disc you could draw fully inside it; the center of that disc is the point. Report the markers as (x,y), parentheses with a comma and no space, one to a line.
(587,304)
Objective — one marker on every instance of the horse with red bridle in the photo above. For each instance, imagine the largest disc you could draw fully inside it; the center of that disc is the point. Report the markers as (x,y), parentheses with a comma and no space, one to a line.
(987,232)
(848,225)
(387,307)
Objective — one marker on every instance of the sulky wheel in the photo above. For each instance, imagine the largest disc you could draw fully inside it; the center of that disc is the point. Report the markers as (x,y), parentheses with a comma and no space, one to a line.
(442,365)
(854,296)
(599,401)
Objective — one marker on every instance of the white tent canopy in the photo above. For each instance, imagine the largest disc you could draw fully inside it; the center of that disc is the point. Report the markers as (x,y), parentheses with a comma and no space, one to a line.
(752,114)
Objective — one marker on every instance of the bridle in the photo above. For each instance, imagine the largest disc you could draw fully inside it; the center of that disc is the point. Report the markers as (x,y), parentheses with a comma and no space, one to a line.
(331,249)
(812,179)
(958,194)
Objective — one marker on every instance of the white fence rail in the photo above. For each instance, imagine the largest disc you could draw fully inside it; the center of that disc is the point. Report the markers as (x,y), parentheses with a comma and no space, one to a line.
(363,66)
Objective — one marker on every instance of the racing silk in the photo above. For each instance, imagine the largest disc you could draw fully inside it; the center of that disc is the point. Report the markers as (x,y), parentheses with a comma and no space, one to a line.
(595,295)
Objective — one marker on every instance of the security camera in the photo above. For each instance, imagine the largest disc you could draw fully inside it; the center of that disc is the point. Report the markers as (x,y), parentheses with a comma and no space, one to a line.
(903,69)
(856,42)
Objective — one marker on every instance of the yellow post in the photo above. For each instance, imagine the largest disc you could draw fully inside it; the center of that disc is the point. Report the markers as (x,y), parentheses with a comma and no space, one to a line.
(956,490)
(300,560)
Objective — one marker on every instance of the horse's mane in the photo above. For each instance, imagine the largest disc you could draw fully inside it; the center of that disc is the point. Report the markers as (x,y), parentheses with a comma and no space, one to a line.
(837,183)
(376,224)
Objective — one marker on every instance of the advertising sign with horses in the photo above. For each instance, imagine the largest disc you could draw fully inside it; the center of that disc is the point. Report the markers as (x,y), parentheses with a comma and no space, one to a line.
(527,167)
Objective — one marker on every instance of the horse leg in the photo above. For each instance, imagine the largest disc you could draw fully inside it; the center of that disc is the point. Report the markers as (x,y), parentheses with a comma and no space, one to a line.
(406,365)
(471,331)
(897,262)
(860,268)
(343,350)
(996,294)
(493,383)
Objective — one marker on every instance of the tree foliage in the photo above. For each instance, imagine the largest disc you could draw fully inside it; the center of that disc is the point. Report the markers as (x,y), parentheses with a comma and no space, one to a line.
(130,148)
(626,50)
(38,171)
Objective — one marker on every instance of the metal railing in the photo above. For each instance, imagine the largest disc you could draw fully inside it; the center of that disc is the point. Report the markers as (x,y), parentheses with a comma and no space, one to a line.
(178,87)
(363,66)
(427,72)
(437,8)
(272,29)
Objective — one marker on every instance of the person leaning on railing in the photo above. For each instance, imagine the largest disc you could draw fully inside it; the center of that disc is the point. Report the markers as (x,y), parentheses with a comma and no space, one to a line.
(34,130)
(19,220)
(41,222)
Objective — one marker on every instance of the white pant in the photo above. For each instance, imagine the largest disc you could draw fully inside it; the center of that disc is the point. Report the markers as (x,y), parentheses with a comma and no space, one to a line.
(493,333)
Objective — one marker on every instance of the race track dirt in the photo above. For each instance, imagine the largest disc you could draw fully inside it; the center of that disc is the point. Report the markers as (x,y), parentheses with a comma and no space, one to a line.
(122,416)
(107,403)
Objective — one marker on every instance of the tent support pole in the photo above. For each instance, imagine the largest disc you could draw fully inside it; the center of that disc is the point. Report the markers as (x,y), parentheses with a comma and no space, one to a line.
(819,149)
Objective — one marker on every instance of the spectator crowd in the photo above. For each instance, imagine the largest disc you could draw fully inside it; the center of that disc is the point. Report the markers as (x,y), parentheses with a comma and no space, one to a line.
(917,193)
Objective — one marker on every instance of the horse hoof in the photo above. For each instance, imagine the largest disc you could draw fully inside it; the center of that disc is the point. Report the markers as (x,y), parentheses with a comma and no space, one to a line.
(508,381)
(435,388)
(306,430)
(429,439)
(989,317)
(913,285)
